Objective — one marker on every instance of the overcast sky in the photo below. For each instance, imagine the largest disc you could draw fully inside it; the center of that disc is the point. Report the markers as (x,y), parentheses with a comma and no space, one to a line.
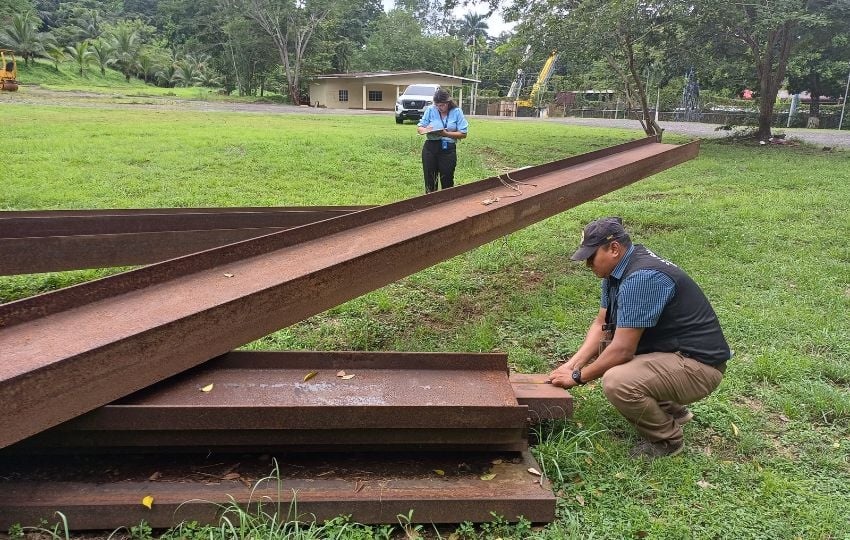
(495,22)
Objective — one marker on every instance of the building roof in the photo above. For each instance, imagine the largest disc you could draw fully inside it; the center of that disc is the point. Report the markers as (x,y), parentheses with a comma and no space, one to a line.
(378,74)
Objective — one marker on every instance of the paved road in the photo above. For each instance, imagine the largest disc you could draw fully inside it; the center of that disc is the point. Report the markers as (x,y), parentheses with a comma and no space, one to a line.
(39,96)
(820,137)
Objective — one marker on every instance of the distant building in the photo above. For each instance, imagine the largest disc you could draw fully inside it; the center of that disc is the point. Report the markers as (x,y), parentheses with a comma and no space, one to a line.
(375,91)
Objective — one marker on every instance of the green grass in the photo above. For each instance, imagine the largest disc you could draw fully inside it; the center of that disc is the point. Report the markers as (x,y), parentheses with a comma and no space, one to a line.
(113,87)
(762,229)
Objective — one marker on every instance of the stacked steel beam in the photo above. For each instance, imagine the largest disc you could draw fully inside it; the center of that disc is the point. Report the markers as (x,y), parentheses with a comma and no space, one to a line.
(105,350)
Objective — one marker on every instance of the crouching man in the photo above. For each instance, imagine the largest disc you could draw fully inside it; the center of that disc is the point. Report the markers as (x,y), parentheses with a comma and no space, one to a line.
(656,341)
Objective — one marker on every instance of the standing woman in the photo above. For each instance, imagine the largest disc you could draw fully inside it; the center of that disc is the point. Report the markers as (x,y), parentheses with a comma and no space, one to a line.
(443,124)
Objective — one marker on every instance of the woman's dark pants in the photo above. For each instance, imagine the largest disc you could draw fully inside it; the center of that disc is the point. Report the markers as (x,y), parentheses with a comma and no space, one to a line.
(436,160)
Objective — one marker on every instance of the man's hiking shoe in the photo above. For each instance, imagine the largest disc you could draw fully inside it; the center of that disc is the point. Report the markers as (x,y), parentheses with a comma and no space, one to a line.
(652,450)
(683,417)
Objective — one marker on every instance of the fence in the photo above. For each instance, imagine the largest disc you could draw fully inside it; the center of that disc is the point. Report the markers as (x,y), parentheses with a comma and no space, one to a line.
(488,106)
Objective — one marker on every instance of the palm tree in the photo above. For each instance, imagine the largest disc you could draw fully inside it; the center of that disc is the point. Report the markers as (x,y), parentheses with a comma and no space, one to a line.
(473,27)
(88,23)
(80,54)
(22,35)
(56,53)
(102,53)
(147,66)
(186,72)
(166,75)
(125,46)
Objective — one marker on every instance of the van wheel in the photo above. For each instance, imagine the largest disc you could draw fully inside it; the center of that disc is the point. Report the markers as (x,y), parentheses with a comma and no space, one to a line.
(399,120)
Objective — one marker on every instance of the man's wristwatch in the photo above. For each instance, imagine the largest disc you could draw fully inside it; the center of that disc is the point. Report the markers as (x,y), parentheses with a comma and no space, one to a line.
(577,376)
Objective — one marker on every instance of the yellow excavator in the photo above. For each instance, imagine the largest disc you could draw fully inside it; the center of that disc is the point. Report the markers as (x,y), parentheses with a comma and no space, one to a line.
(542,79)
(8,71)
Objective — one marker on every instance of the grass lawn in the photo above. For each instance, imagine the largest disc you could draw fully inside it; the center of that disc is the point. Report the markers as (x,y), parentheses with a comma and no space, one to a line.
(762,229)
(112,84)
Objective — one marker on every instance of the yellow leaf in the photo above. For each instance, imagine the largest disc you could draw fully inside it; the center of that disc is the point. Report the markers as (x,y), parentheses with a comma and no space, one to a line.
(439,472)
(534,471)
(347,377)
(619,475)
(588,461)
(836,445)
(487,477)
(310,375)
(735,430)
(207,388)
(340,373)
(147,502)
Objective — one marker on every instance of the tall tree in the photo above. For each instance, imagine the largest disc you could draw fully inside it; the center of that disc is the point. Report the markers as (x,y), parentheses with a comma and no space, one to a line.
(766,32)
(291,25)
(626,34)
(820,66)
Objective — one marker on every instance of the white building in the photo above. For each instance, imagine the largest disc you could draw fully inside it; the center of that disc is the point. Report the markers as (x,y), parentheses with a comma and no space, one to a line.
(376,91)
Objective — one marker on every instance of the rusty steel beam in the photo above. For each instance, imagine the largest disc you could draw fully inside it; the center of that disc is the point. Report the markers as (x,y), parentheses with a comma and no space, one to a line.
(395,401)
(108,494)
(544,401)
(93,343)
(57,240)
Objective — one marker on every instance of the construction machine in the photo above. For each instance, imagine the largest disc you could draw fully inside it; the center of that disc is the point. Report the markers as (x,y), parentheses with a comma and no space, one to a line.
(8,70)
(542,79)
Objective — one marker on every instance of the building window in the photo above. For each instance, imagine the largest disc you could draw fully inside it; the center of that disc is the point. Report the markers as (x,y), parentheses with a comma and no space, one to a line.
(376,95)
(343,95)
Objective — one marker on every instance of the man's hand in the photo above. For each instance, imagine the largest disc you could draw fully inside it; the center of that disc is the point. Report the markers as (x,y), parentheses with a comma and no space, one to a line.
(563,376)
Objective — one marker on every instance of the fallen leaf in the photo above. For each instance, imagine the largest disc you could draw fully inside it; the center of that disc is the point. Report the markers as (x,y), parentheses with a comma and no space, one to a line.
(496,462)
(231,476)
(147,502)
(155,476)
(580,499)
(340,373)
(836,445)
(454,536)
(534,471)
(642,534)
(703,484)
(735,430)
(488,476)
(310,375)
(588,461)
(228,275)
(439,472)
(618,475)
(784,418)
(207,388)
(348,377)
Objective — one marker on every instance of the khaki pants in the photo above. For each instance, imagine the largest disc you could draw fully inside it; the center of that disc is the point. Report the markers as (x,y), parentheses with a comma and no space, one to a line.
(652,387)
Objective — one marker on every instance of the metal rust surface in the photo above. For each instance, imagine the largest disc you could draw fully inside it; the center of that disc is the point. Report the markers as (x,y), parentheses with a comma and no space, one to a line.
(422,401)
(55,240)
(88,345)
(544,401)
(106,494)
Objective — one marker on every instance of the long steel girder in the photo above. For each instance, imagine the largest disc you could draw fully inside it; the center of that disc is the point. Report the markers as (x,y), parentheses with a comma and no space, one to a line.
(107,492)
(70,351)
(259,401)
(56,240)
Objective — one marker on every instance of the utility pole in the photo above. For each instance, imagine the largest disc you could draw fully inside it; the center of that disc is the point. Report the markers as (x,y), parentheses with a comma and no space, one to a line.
(841,121)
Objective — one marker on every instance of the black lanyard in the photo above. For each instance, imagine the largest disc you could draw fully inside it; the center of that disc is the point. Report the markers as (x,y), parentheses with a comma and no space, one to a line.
(446,121)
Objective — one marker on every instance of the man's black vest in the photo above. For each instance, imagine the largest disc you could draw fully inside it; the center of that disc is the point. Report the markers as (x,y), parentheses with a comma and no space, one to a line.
(687,324)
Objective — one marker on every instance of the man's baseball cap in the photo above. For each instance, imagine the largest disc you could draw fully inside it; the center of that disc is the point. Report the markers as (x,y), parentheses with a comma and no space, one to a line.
(598,233)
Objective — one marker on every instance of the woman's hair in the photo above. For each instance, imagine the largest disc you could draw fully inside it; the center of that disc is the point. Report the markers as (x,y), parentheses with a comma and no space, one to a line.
(443,96)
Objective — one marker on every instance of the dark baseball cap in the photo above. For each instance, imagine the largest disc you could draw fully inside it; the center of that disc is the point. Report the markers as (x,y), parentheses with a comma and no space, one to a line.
(598,233)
